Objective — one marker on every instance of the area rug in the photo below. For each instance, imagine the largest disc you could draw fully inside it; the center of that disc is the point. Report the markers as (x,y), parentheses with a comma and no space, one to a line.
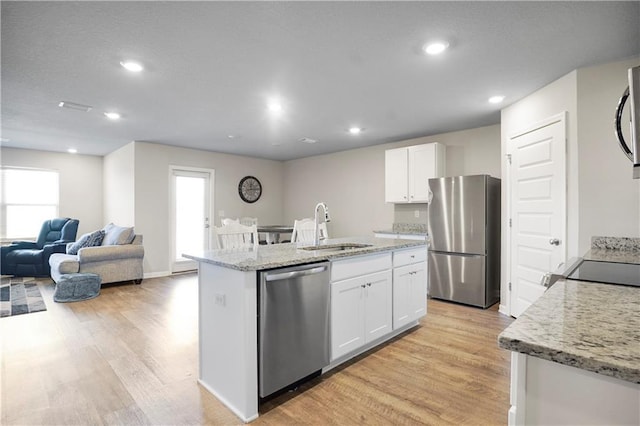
(18,297)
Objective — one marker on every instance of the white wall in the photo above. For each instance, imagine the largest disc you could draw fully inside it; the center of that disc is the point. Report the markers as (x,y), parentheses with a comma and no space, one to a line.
(119,184)
(609,198)
(80,182)
(352,182)
(152,193)
(602,199)
(555,98)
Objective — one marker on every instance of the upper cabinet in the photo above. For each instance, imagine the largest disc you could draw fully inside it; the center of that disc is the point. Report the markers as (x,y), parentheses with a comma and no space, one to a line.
(408,169)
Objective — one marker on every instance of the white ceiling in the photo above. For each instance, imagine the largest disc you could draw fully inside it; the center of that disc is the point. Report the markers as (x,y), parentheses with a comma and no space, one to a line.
(212,66)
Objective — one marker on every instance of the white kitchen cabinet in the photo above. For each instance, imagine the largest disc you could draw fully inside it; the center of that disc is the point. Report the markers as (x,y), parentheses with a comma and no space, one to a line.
(549,393)
(409,286)
(408,169)
(360,311)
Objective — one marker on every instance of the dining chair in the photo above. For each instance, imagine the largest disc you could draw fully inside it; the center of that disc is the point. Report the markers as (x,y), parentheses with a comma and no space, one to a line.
(303,231)
(236,236)
(248,221)
(228,221)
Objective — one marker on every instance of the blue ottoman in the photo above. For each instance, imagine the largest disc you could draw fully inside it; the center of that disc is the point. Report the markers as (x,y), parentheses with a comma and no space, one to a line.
(76,287)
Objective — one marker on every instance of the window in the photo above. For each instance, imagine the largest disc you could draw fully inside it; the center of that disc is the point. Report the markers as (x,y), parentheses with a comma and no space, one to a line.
(29,197)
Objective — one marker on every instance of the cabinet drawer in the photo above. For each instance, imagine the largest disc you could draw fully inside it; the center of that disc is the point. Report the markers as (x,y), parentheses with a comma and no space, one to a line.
(360,265)
(409,256)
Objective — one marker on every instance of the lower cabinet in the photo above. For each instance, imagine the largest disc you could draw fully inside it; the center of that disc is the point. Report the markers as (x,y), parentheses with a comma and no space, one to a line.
(409,294)
(361,311)
(409,285)
(373,295)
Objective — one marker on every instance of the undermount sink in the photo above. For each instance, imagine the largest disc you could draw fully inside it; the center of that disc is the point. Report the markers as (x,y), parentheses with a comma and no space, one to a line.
(337,247)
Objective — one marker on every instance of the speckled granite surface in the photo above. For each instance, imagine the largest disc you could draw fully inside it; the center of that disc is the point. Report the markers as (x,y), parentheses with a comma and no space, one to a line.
(595,327)
(279,255)
(406,228)
(614,249)
(619,256)
(616,243)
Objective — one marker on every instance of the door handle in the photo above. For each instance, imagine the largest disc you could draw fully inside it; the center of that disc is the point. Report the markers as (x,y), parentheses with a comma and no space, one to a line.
(294,274)
(554,242)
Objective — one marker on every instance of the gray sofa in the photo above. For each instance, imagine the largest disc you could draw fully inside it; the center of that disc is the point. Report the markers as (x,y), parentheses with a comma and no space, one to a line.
(114,263)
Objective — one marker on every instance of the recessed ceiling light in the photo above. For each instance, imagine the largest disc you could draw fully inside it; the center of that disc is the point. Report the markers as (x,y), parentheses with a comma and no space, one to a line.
(307,140)
(132,66)
(275,107)
(4,140)
(496,99)
(73,105)
(72,151)
(355,130)
(112,115)
(435,48)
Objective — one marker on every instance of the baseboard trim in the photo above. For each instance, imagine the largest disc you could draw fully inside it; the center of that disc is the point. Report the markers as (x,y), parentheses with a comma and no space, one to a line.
(244,417)
(504,310)
(148,275)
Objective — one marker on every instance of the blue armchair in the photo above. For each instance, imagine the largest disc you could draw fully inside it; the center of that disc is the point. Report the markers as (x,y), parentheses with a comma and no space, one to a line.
(31,259)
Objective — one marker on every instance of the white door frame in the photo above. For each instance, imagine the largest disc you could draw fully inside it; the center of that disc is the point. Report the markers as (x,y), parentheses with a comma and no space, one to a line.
(172,218)
(561,117)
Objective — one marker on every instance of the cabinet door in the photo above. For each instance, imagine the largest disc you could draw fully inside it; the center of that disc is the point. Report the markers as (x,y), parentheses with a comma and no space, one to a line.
(402,305)
(378,304)
(347,316)
(422,167)
(418,291)
(396,172)
(409,293)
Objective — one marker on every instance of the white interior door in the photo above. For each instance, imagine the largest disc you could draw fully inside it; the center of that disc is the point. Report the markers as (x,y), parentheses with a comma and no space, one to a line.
(537,209)
(190,212)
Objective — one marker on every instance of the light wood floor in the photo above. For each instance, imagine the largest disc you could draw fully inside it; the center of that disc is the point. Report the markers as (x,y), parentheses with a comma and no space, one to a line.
(130,356)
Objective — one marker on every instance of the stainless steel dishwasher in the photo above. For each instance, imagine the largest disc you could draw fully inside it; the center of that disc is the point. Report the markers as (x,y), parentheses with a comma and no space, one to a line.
(293,324)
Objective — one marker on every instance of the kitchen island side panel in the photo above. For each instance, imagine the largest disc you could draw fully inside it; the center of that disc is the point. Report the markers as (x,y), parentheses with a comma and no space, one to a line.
(228,337)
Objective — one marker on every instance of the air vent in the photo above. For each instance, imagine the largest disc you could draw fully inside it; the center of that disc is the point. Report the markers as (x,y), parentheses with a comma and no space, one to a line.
(307,140)
(73,105)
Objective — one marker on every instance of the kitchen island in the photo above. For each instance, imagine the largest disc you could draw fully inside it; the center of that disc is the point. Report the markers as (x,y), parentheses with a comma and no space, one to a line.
(228,305)
(576,353)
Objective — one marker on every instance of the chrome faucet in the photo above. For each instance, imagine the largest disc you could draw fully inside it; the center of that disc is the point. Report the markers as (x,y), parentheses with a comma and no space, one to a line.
(316,220)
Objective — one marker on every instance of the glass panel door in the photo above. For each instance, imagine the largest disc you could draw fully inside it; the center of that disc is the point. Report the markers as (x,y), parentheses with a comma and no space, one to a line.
(190,230)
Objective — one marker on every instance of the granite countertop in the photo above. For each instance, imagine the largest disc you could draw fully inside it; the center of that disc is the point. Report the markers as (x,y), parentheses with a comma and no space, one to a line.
(405,228)
(614,249)
(595,327)
(608,255)
(289,254)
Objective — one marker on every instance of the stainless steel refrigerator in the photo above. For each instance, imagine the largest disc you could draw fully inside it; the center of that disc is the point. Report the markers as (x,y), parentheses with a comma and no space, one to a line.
(464,229)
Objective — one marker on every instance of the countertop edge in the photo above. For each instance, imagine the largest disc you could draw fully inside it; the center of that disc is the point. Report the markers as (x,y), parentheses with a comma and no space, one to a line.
(532,333)
(392,232)
(315,256)
(568,359)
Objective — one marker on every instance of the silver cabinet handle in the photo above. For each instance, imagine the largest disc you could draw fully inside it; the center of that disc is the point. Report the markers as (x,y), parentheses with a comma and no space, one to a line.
(554,242)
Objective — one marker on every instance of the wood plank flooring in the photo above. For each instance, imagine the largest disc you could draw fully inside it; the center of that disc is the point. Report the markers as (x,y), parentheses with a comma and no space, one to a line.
(130,356)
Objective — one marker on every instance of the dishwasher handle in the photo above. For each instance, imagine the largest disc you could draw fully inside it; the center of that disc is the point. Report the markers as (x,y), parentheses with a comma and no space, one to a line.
(294,274)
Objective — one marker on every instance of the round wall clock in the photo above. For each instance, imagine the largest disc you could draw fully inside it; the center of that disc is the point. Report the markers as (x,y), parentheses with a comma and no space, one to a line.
(250,189)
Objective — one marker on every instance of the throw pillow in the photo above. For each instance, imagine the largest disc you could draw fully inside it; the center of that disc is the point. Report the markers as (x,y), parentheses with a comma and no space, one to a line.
(87,240)
(117,235)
